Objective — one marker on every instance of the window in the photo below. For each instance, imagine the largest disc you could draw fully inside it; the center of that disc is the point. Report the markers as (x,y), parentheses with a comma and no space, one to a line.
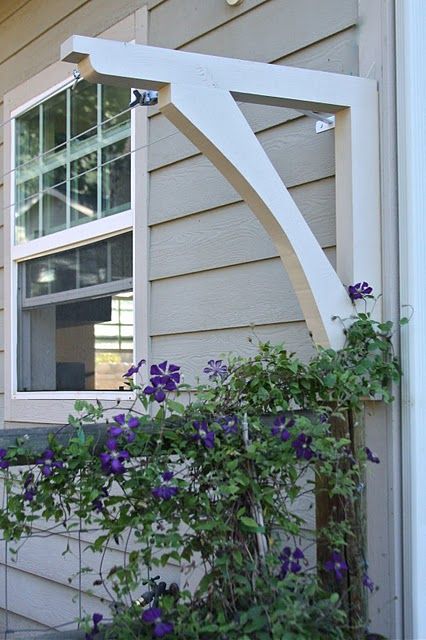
(72,241)
(75,313)
(72,160)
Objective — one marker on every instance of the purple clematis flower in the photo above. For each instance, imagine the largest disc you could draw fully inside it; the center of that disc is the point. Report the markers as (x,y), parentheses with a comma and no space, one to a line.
(203,434)
(96,618)
(216,369)
(112,462)
(229,424)
(30,488)
(49,463)
(163,378)
(4,464)
(290,561)
(372,457)
(133,369)
(359,291)
(165,491)
(124,427)
(281,428)
(97,503)
(336,565)
(302,446)
(367,582)
(153,616)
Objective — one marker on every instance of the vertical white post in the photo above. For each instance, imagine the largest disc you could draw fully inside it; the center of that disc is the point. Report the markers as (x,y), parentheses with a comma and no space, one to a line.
(411,95)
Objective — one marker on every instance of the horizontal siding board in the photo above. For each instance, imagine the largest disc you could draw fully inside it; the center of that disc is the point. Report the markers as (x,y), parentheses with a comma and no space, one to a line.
(176,22)
(276,28)
(20,626)
(1,287)
(1,117)
(297,152)
(9,7)
(337,53)
(90,20)
(243,295)
(31,21)
(233,235)
(43,556)
(192,351)
(45,601)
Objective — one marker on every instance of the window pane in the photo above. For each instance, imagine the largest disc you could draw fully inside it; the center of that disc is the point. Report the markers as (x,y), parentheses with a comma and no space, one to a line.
(84,110)
(64,267)
(27,210)
(39,276)
(84,189)
(63,140)
(84,341)
(77,346)
(115,100)
(116,177)
(121,257)
(54,200)
(27,136)
(93,264)
(54,124)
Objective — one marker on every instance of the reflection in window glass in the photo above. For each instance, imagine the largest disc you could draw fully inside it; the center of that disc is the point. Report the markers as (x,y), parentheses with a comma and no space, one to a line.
(75,321)
(96,263)
(116,177)
(72,160)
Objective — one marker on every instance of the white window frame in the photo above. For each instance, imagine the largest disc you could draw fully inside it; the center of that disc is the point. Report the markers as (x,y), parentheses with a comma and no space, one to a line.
(55,406)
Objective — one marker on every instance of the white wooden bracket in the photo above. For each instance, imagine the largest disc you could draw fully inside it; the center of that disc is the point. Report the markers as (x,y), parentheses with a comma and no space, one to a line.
(197,94)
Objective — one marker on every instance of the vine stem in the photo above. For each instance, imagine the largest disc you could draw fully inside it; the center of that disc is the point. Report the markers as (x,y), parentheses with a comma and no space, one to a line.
(256,509)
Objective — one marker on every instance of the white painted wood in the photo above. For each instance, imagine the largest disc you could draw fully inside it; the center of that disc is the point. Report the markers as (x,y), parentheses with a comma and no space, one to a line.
(124,64)
(336,53)
(234,149)
(411,93)
(75,236)
(186,79)
(232,234)
(298,154)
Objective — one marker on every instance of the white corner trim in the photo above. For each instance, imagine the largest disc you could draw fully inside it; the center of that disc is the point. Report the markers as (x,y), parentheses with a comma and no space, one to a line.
(411,96)
(204,87)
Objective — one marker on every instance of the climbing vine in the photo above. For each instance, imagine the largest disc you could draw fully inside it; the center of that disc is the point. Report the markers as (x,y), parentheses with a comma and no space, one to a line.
(252,484)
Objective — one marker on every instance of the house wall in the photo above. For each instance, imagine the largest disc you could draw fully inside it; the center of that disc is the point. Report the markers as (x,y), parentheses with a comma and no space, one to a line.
(216,279)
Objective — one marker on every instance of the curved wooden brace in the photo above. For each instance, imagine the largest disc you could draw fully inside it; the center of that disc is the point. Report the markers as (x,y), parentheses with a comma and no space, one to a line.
(213,122)
(197,94)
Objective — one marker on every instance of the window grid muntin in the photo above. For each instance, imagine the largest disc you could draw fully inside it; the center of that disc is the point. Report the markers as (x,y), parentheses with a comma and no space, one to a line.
(121,132)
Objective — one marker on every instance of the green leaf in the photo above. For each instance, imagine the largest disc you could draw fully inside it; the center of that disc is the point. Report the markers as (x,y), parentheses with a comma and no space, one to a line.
(251,524)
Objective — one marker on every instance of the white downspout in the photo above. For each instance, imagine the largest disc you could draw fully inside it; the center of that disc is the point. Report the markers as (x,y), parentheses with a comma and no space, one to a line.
(411,118)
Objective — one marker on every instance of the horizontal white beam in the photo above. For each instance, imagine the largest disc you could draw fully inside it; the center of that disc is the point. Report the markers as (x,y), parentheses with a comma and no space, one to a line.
(108,61)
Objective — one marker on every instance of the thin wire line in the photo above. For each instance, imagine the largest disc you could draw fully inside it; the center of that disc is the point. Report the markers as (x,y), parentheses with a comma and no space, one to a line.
(98,166)
(6,559)
(63,144)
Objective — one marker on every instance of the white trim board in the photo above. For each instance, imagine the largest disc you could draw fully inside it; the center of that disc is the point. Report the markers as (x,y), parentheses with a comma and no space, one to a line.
(411,95)
(197,94)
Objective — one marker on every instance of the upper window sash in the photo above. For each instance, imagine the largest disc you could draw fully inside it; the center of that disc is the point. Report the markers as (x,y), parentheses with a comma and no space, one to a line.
(72,160)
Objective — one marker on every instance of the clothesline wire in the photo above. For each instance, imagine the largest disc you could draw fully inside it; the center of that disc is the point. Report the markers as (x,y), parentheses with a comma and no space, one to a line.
(39,156)
(51,188)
